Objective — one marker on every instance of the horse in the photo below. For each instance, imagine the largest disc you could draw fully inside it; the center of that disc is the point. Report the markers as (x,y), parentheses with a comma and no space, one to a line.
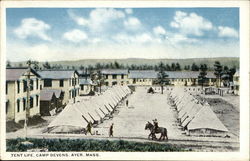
(162,130)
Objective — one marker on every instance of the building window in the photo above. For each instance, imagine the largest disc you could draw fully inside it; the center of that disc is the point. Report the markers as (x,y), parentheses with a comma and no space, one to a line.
(18,105)
(122,76)
(37,100)
(114,76)
(24,104)
(114,83)
(47,83)
(18,86)
(31,85)
(107,76)
(6,88)
(41,87)
(82,87)
(24,86)
(73,82)
(31,102)
(37,83)
(61,83)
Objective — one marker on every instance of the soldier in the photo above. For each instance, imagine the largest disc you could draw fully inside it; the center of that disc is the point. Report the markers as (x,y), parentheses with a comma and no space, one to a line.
(155,124)
(127,103)
(111,130)
(89,126)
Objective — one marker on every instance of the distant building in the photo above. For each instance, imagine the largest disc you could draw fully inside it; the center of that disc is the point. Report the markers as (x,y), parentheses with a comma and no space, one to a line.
(142,77)
(16,93)
(51,99)
(115,76)
(189,78)
(86,86)
(65,80)
(236,82)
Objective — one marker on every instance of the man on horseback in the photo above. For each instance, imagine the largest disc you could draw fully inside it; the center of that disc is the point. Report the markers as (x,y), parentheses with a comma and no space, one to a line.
(155,122)
(155,129)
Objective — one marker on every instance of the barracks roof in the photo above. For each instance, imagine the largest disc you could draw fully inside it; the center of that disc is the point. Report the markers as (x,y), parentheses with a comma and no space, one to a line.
(56,74)
(142,74)
(188,74)
(114,71)
(46,94)
(13,74)
(85,81)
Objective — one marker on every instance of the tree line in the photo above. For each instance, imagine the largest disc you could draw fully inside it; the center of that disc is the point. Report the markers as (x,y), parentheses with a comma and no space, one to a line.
(175,66)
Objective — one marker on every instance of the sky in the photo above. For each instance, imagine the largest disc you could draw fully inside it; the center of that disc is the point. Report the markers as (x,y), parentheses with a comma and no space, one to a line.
(54,34)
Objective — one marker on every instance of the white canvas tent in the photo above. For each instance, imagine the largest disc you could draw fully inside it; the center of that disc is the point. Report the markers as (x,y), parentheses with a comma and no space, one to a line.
(206,119)
(70,119)
(75,117)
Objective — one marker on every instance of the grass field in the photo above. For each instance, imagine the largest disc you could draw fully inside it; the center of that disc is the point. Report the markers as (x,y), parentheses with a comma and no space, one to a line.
(14,145)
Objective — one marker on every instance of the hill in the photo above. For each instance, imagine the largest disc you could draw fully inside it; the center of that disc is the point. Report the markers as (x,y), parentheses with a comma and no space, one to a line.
(226,61)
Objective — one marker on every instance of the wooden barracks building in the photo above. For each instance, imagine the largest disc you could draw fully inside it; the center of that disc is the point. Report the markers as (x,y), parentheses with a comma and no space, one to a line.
(16,93)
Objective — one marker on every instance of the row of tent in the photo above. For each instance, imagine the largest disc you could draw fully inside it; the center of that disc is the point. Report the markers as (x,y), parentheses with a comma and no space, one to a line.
(194,116)
(76,116)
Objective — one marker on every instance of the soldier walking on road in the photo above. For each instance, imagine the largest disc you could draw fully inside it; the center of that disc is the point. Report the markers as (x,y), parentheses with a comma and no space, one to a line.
(127,103)
(111,130)
(89,126)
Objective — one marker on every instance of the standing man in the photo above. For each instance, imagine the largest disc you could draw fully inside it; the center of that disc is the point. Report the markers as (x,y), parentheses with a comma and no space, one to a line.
(127,103)
(89,126)
(111,130)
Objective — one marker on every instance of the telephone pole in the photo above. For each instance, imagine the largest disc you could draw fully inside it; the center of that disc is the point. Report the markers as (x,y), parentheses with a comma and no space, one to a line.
(27,114)
(74,88)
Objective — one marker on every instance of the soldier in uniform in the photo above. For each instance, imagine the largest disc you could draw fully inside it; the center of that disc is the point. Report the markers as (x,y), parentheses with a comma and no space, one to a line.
(111,130)
(89,126)
(155,124)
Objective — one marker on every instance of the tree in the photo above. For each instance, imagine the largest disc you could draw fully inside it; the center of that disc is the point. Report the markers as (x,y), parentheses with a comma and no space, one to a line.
(173,66)
(177,67)
(218,72)
(20,65)
(194,67)
(8,64)
(46,65)
(202,76)
(81,67)
(231,73)
(35,65)
(161,77)
(99,79)
(116,65)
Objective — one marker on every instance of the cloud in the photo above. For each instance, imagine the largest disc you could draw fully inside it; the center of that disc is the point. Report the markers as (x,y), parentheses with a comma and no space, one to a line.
(132,23)
(179,38)
(225,31)
(75,36)
(79,20)
(32,27)
(98,19)
(159,30)
(129,11)
(191,24)
(129,39)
